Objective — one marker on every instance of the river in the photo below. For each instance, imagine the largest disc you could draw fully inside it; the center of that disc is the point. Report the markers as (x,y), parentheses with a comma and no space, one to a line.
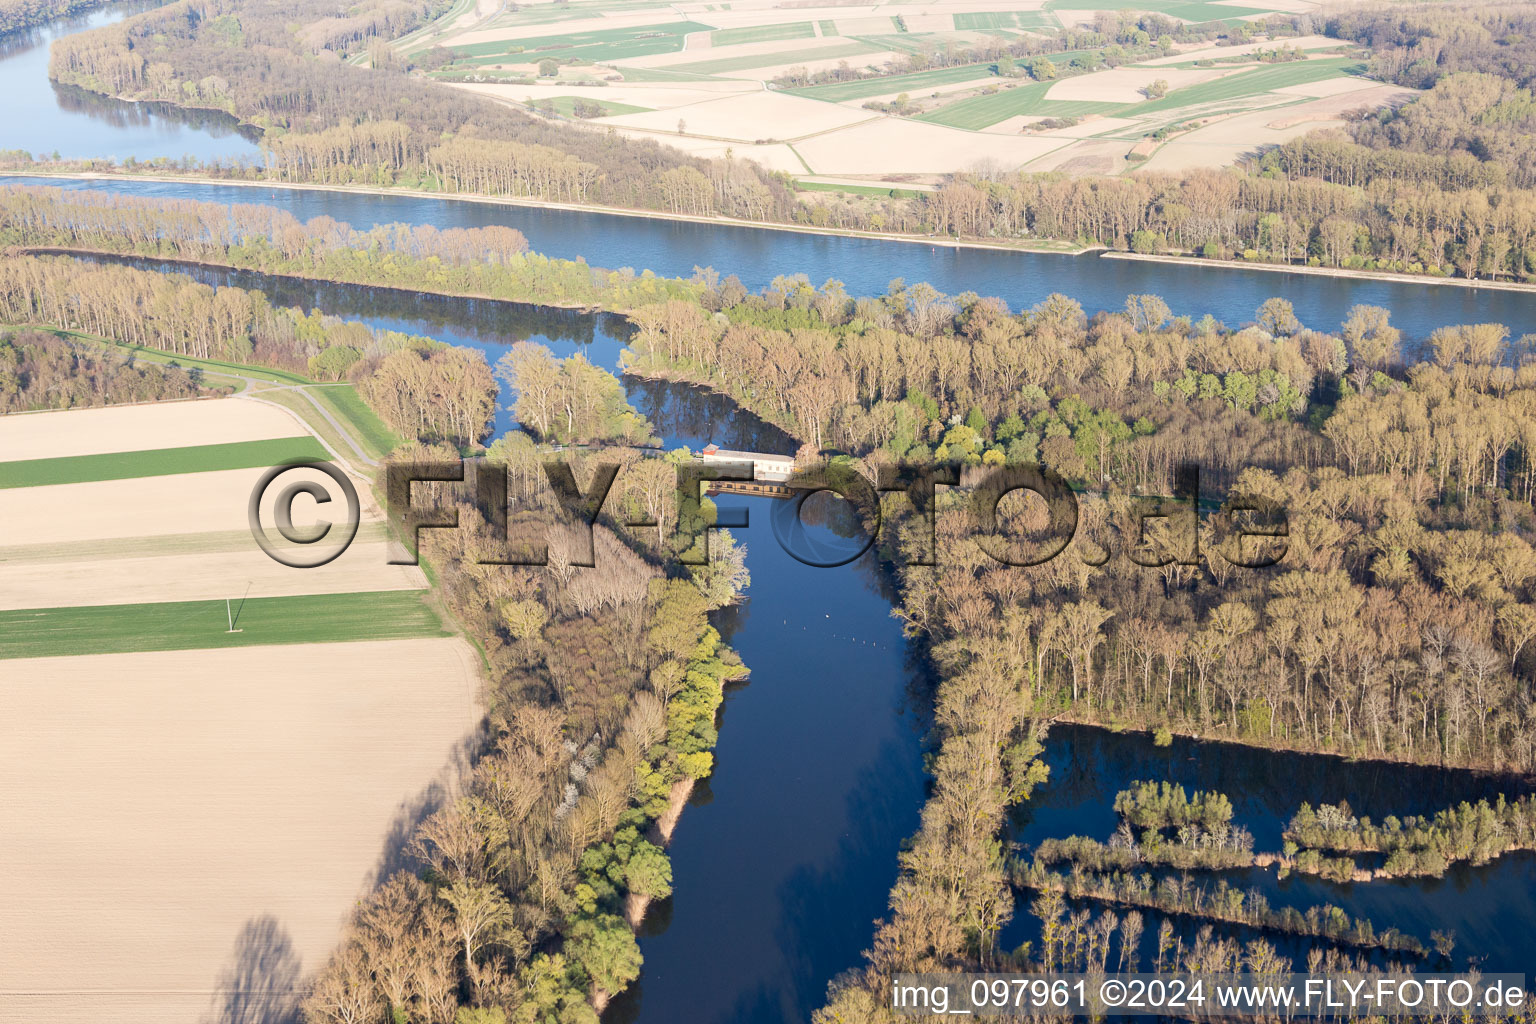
(789,850)
(41,117)
(866,266)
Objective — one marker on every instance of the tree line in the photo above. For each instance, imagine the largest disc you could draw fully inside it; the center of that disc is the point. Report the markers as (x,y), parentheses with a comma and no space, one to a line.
(1419,844)
(279,65)
(602,713)
(40,370)
(420,387)
(483,262)
(19,14)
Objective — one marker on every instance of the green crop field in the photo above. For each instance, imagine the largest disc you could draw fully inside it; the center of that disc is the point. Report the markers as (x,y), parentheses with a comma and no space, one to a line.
(1197,11)
(917,82)
(761,33)
(829,28)
(202,458)
(552,13)
(191,625)
(767,60)
(906,42)
(1253,82)
(567,105)
(989,20)
(856,190)
(976,112)
(657,75)
(595,45)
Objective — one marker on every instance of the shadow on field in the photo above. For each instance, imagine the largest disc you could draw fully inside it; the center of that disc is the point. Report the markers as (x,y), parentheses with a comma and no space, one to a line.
(453,778)
(260,985)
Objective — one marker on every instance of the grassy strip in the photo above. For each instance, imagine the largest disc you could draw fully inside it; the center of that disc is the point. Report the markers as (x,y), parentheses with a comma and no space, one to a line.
(978,112)
(154,355)
(301,407)
(1261,79)
(761,33)
(857,190)
(191,625)
(916,82)
(342,400)
(204,458)
(657,75)
(566,105)
(768,60)
(347,405)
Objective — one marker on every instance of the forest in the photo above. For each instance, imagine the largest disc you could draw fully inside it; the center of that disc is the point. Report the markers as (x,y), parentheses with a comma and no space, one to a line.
(19,14)
(1398,622)
(39,370)
(420,387)
(604,685)
(1406,489)
(281,67)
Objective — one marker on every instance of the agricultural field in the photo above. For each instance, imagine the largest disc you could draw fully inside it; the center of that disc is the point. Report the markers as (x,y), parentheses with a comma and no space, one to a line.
(978,112)
(200,458)
(698,77)
(916,82)
(210,750)
(183,822)
(569,106)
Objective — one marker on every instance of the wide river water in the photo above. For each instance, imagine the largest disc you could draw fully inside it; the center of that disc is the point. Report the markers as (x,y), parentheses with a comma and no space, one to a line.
(789,850)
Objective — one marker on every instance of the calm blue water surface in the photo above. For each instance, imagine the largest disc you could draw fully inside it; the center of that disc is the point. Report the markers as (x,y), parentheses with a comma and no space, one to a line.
(41,118)
(867,266)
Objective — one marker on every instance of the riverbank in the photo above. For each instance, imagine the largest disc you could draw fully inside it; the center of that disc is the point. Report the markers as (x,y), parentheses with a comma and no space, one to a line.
(1334,272)
(40,18)
(1474,771)
(109,254)
(1054,248)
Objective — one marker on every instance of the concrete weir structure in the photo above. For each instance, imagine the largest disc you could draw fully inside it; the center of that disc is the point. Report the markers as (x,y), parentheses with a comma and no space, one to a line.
(770,473)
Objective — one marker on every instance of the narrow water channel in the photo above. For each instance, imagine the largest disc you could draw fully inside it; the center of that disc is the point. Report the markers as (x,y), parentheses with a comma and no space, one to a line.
(789,853)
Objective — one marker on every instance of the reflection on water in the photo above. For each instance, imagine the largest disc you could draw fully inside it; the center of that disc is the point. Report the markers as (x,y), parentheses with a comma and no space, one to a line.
(682,415)
(818,780)
(42,118)
(866,265)
(1491,909)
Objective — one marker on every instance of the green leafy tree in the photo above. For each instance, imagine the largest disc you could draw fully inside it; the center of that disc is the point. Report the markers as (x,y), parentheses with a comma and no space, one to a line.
(605,948)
